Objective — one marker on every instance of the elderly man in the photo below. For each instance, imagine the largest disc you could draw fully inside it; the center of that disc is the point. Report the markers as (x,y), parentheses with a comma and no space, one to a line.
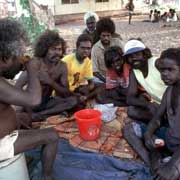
(90,19)
(13,141)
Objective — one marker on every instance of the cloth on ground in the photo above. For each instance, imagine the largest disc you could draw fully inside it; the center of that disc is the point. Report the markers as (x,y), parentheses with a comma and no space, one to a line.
(110,141)
(7,146)
(74,164)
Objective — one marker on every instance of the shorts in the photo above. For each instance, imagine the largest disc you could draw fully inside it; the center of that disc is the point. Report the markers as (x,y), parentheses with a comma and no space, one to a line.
(140,129)
(7,146)
(130,13)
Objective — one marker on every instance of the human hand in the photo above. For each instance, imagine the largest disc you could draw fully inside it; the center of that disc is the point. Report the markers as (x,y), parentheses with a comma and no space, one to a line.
(82,98)
(91,86)
(23,120)
(167,172)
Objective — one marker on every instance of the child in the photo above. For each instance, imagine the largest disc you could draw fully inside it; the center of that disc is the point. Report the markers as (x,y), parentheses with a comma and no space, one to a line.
(150,15)
(169,66)
(117,78)
(130,8)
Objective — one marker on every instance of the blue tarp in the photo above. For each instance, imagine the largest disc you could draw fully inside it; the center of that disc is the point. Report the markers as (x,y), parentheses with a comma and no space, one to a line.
(74,164)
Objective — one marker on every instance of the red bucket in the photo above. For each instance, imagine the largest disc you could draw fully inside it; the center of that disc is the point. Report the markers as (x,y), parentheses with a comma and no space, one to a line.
(89,123)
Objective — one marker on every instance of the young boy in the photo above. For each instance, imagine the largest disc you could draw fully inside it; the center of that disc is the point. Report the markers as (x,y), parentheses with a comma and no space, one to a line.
(169,67)
(49,49)
(130,8)
(117,78)
(13,141)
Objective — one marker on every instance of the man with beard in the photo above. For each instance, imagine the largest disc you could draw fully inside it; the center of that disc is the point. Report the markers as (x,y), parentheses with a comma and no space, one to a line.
(141,108)
(13,141)
(105,28)
(90,19)
(49,49)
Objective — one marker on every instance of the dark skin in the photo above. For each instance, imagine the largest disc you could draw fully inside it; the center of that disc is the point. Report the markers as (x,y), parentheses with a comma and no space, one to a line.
(82,52)
(140,108)
(130,7)
(53,76)
(91,24)
(117,95)
(10,95)
(170,74)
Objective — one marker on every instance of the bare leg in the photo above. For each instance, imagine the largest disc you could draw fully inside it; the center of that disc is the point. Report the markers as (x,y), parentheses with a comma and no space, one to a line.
(29,139)
(130,16)
(155,158)
(136,143)
(56,106)
(139,114)
(111,96)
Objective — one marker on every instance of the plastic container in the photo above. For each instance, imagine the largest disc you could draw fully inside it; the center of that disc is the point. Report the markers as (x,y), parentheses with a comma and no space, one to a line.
(89,123)
(14,168)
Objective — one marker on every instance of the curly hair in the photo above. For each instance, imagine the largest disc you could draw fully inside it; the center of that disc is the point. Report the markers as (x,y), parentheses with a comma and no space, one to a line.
(105,25)
(111,54)
(12,33)
(171,53)
(47,40)
(83,38)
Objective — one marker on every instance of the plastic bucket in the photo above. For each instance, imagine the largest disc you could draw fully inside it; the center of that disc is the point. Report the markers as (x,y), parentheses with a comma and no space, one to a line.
(89,123)
(14,168)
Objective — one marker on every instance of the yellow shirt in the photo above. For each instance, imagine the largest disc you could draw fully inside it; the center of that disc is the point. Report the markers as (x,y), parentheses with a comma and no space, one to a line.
(77,72)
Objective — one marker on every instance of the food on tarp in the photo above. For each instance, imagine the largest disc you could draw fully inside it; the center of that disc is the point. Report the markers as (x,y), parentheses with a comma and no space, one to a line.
(159,143)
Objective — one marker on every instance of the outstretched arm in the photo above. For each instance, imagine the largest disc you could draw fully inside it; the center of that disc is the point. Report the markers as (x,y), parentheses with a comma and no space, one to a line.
(155,123)
(132,96)
(29,97)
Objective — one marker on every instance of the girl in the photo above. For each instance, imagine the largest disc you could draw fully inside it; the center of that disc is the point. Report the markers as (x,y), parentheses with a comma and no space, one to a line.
(117,78)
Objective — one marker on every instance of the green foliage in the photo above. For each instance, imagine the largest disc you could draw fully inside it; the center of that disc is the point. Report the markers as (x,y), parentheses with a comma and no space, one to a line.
(25,4)
(33,27)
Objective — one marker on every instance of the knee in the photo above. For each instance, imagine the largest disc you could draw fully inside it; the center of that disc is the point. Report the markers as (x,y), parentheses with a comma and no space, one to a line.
(128,130)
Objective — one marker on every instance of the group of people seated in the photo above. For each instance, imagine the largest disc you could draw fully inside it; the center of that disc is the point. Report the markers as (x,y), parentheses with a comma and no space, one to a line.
(156,16)
(101,68)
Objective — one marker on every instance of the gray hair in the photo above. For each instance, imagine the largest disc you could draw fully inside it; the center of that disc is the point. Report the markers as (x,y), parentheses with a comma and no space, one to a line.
(90,14)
